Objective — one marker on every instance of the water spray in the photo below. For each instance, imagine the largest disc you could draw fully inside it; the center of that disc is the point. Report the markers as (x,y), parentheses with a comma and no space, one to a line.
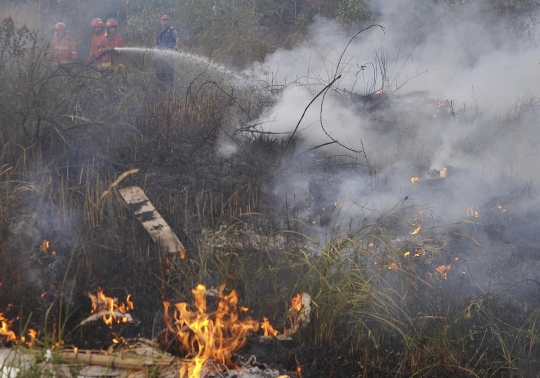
(192,58)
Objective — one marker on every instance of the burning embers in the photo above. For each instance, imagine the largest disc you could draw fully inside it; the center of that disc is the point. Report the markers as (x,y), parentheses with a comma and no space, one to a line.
(487,212)
(433,175)
(383,90)
(471,213)
(416,223)
(109,309)
(211,336)
(443,270)
(418,252)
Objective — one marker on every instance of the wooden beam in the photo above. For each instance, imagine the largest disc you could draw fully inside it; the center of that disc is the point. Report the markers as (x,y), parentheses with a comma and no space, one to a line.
(151,220)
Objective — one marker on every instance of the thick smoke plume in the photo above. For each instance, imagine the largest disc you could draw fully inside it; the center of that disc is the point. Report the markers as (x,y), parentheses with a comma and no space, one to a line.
(457,91)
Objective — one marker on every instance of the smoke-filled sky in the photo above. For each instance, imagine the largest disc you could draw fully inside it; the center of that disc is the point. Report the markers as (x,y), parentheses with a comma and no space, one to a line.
(455,55)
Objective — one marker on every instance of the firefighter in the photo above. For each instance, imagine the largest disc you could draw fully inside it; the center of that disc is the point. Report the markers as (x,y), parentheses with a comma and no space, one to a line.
(167,38)
(62,48)
(108,44)
(95,57)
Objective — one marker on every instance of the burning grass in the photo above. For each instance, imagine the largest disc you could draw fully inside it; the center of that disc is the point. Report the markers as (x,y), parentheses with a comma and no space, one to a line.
(110,309)
(384,302)
(210,336)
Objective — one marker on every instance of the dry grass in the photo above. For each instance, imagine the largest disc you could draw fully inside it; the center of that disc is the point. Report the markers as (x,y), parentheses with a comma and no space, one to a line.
(376,312)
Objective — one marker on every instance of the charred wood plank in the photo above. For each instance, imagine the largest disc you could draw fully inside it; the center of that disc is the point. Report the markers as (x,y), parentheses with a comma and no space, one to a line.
(151,220)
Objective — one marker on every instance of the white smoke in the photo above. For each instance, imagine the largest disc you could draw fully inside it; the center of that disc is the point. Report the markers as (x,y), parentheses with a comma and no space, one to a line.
(483,75)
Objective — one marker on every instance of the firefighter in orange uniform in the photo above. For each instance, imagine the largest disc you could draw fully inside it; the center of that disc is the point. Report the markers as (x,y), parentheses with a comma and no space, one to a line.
(98,41)
(62,48)
(109,44)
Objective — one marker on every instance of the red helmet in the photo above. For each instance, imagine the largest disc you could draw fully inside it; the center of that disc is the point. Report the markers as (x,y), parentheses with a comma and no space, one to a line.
(60,26)
(111,22)
(164,16)
(97,23)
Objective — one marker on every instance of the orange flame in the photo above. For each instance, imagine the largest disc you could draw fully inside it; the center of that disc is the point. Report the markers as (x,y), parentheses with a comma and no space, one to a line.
(102,303)
(471,213)
(46,248)
(415,179)
(32,338)
(416,223)
(441,104)
(296,314)
(5,324)
(210,336)
(296,303)
(268,329)
(32,334)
